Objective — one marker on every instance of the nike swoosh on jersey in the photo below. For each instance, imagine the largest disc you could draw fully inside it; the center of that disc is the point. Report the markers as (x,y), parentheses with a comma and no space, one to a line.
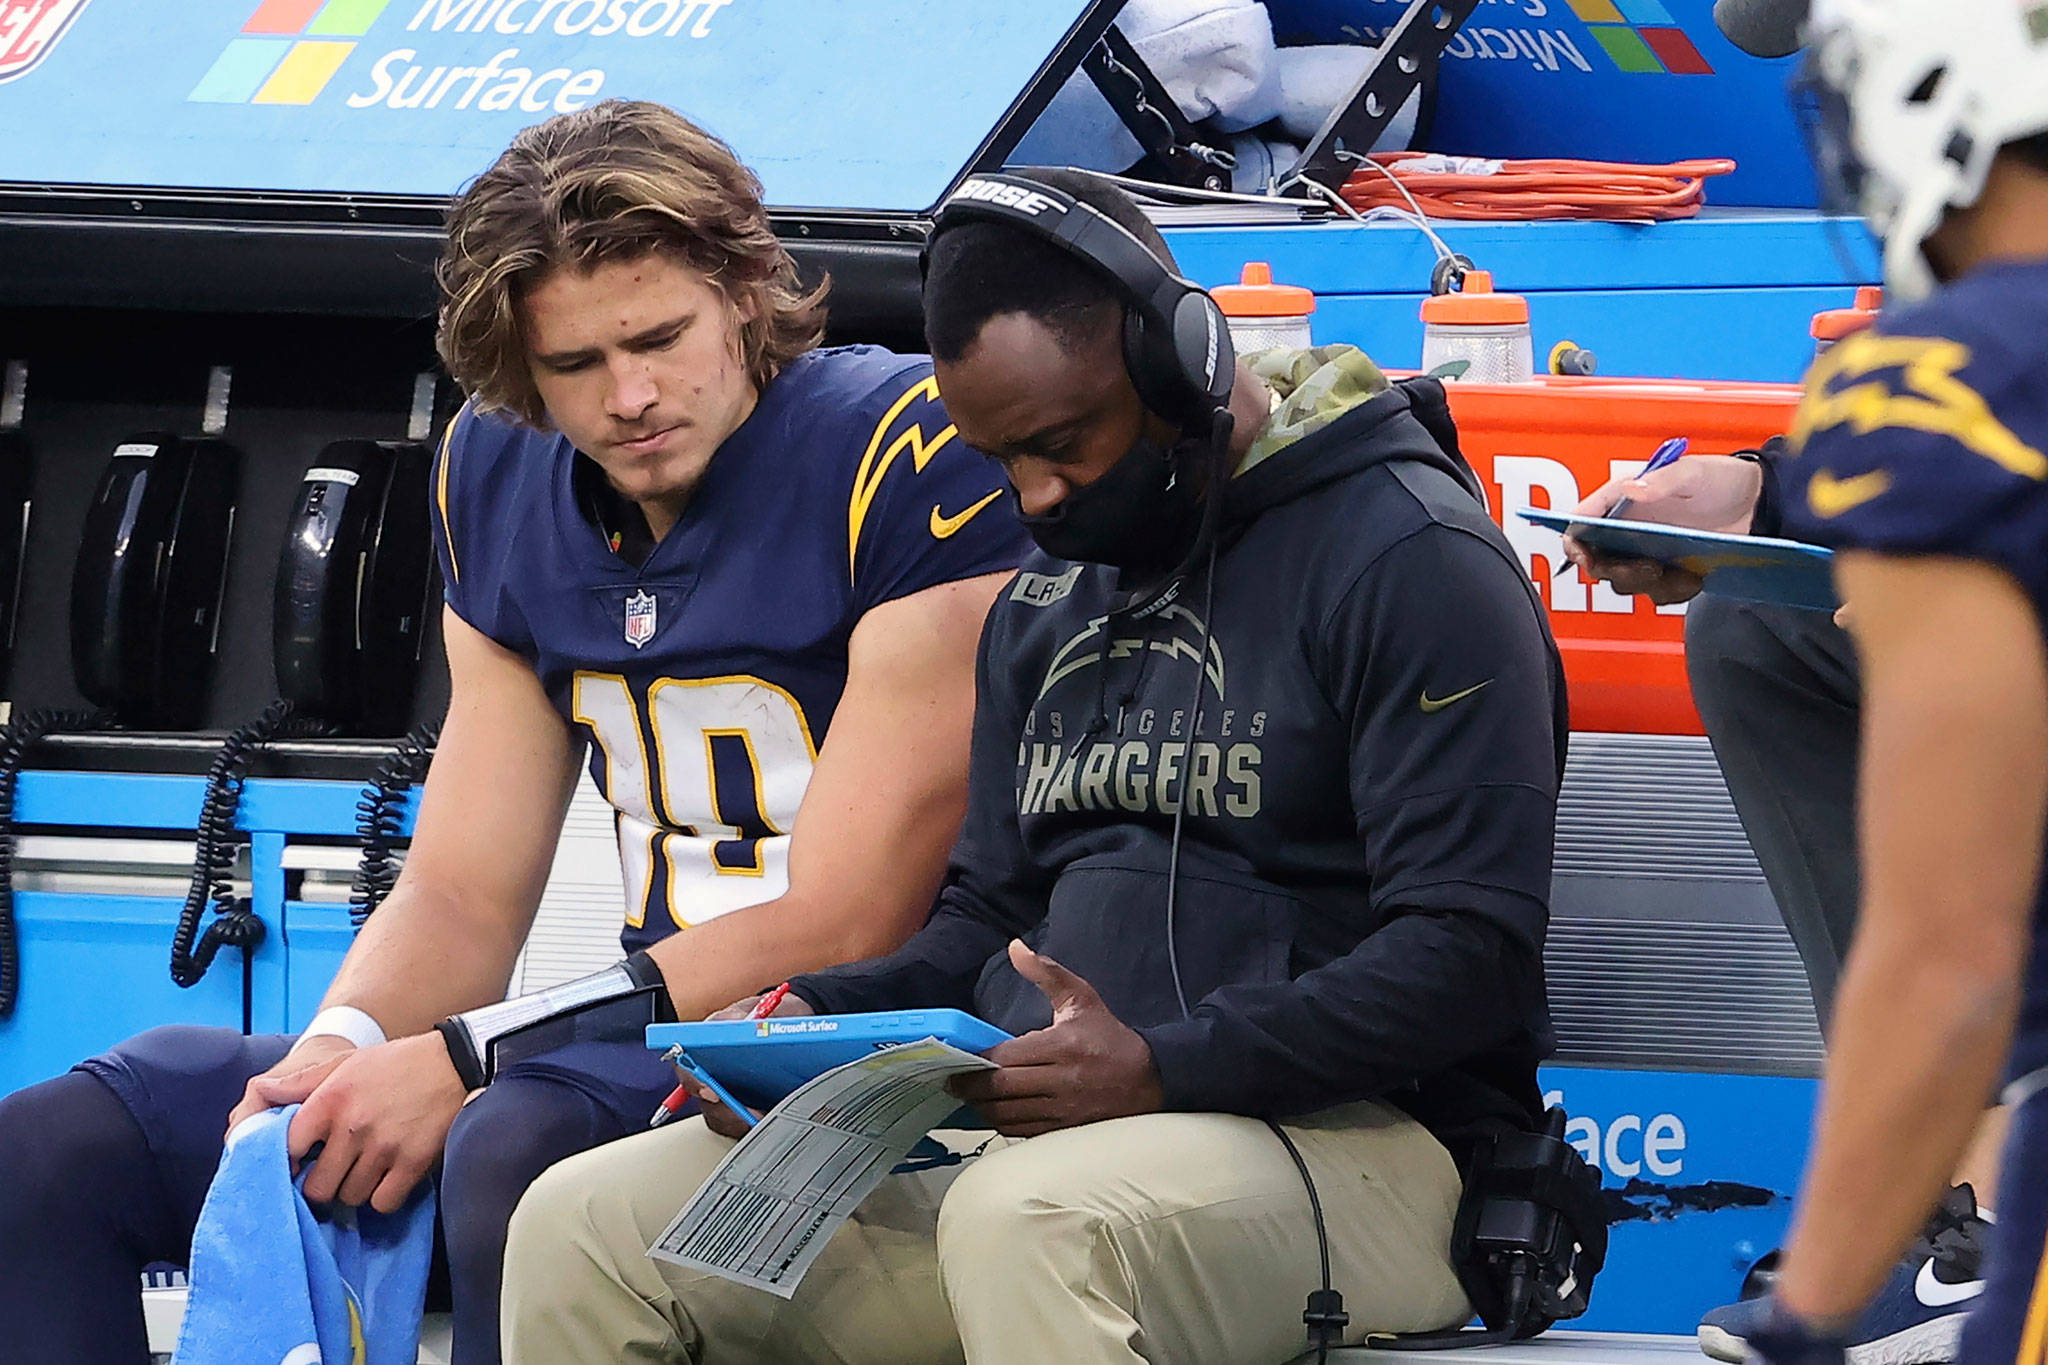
(944,526)
(1933,1293)
(1432,705)
(1829,496)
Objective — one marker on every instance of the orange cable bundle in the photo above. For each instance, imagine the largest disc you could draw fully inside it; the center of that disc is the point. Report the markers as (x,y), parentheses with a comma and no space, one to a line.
(1473,188)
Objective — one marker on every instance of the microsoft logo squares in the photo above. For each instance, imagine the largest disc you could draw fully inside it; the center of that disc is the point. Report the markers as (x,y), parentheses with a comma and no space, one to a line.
(288,52)
(1641,37)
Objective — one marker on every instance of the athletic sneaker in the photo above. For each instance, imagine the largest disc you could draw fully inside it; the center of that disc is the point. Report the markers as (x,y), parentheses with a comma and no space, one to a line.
(1916,1319)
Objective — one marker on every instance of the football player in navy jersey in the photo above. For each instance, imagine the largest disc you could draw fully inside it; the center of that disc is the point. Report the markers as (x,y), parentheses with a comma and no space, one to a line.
(747,574)
(1918,453)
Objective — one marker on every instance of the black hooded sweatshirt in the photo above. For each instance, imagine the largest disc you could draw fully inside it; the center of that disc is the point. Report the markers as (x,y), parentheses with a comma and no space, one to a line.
(1364,871)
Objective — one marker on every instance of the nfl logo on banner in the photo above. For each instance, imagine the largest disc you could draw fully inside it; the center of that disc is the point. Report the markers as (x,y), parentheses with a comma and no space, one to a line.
(29,29)
(639,619)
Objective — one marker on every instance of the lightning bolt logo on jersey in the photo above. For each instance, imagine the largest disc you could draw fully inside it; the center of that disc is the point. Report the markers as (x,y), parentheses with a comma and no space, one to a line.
(706,679)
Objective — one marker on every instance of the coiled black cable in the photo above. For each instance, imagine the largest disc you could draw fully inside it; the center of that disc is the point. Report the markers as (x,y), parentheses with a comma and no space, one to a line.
(17,738)
(379,814)
(234,924)
(1323,1314)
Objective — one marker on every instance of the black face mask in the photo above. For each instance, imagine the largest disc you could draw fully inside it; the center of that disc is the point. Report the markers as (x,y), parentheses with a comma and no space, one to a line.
(1140,516)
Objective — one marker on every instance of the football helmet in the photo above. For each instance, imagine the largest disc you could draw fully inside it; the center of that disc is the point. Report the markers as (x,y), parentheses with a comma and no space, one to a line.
(1907,101)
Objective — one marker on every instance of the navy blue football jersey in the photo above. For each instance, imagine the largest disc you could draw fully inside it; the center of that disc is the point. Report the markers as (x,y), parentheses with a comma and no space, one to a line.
(1928,435)
(706,678)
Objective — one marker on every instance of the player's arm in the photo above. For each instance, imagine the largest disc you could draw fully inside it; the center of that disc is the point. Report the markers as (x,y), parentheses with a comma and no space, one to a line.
(444,940)
(503,772)
(1953,799)
(878,818)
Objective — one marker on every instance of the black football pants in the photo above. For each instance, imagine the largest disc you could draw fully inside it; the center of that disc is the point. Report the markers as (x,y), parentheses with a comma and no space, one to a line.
(1780,694)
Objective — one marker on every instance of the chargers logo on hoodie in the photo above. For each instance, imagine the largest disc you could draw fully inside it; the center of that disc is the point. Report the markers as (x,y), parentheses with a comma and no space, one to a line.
(1175,632)
(1143,761)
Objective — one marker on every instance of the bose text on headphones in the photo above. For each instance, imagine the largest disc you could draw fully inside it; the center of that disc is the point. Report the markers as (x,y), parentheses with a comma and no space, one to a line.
(1176,343)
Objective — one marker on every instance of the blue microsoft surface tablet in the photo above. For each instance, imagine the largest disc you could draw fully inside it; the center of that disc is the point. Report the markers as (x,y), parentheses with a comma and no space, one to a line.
(761,1060)
(1754,568)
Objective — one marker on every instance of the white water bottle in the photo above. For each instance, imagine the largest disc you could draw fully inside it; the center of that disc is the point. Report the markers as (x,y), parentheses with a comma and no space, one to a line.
(1487,330)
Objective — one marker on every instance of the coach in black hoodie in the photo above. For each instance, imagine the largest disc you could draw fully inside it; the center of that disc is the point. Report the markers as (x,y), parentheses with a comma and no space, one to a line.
(1259,827)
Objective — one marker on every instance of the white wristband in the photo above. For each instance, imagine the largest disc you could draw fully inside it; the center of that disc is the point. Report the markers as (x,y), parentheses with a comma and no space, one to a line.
(343,1021)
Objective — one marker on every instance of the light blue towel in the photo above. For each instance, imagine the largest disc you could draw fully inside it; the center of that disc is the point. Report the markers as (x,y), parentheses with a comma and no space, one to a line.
(273,1285)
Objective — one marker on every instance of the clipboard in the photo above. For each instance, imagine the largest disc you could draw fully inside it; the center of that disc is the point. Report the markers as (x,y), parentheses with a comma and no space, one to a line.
(1765,569)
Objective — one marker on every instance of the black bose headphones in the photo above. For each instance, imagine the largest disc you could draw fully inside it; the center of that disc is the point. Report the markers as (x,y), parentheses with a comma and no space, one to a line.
(1176,343)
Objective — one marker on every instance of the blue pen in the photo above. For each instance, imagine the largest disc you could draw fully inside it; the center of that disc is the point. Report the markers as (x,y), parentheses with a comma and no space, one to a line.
(667,1111)
(1665,455)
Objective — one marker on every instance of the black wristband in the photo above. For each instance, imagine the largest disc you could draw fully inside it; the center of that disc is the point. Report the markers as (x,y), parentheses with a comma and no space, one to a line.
(469,1067)
(474,1036)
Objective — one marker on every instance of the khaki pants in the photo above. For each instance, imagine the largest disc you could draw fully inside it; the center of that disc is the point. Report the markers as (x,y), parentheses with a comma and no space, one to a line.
(1173,1238)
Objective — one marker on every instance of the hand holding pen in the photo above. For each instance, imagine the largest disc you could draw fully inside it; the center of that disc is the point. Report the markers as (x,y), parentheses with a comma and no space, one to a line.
(1718,493)
(1665,455)
(678,1097)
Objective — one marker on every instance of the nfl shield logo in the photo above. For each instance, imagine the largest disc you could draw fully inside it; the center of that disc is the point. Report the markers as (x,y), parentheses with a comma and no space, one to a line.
(639,619)
(29,29)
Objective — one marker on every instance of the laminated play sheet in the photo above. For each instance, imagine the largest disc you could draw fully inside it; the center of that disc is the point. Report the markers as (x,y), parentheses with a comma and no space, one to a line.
(777,1198)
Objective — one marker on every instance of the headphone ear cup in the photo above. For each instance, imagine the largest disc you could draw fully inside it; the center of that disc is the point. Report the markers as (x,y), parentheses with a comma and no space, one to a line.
(1154,368)
(1186,369)
(1166,363)
(1203,353)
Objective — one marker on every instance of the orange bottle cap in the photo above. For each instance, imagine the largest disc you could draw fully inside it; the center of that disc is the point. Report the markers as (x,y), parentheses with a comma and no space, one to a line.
(1833,324)
(1256,296)
(1475,304)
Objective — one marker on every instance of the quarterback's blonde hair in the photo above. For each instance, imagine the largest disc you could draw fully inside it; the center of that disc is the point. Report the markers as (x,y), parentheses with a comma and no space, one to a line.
(616,181)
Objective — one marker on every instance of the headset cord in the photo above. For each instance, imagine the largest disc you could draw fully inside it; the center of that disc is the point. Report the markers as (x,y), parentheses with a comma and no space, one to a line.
(379,813)
(1180,810)
(235,923)
(1221,423)
(17,739)
(1324,1312)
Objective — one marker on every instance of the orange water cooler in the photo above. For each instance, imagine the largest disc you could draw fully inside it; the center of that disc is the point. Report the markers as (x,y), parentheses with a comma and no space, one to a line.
(1551,441)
